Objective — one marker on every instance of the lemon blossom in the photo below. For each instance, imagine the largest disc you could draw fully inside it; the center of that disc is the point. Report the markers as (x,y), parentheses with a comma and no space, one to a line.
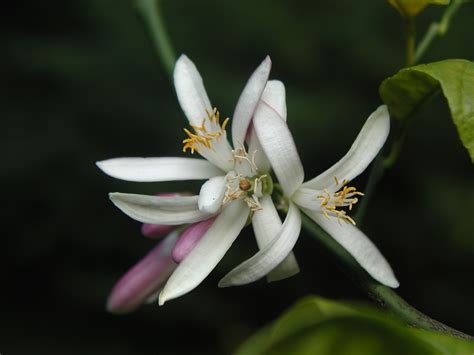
(238,183)
(324,198)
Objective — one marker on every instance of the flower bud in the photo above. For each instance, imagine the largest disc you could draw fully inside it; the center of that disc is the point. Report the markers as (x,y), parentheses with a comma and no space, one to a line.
(144,279)
(189,238)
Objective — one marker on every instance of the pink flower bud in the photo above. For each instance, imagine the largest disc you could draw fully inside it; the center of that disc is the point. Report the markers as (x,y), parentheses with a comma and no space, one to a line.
(189,238)
(144,279)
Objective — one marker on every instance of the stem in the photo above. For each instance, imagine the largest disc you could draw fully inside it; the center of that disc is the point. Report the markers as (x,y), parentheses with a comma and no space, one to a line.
(426,41)
(383,295)
(437,29)
(151,14)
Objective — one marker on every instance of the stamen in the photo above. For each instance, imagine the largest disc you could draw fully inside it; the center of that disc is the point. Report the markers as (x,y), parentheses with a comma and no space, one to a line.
(224,124)
(209,131)
(253,203)
(247,189)
(241,156)
(344,197)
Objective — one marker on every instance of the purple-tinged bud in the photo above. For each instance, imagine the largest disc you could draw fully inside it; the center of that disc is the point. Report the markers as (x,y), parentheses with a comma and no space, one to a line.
(144,279)
(189,238)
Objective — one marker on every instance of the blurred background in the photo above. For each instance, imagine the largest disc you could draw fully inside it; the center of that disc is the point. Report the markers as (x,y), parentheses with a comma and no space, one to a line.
(80,82)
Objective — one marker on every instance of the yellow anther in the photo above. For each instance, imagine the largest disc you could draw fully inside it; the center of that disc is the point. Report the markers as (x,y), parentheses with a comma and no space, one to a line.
(332,203)
(224,124)
(209,130)
(201,128)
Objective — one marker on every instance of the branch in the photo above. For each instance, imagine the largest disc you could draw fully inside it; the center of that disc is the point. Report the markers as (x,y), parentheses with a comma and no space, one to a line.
(151,14)
(437,29)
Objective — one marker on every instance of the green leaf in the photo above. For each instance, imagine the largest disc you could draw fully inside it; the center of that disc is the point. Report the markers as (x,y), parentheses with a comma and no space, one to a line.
(319,326)
(305,313)
(445,344)
(410,8)
(404,92)
(352,335)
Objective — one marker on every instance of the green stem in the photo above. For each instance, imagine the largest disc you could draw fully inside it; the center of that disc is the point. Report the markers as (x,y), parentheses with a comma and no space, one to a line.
(426,41)
(437,29)
(383,295)
(151,14)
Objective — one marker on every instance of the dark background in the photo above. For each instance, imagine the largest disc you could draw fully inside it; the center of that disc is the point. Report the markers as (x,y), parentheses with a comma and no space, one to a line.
(80,82)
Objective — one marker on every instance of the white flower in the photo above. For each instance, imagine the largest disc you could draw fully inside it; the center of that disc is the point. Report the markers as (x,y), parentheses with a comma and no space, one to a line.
(321,198)
(238,184)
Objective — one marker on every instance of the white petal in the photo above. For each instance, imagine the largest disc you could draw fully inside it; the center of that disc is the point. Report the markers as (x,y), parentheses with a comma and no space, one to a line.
(190,90)
(308,198)
(172,210)
(266,226)
(212,194)
(364,149)
(273,96)
(269,257)
(280,148)
(220,153)
(359,246)
(158,169)
(248,101)
(208,252)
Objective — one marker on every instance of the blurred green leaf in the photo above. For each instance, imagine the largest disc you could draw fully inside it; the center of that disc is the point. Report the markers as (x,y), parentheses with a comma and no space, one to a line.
(351,335)
(305,313)
(445,344)
(319,326)
(410,8)
(404,92)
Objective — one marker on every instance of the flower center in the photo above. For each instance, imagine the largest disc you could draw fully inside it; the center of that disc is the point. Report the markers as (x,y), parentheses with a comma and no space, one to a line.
(209,131)
(345,196)
(244,182)
(248,189)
